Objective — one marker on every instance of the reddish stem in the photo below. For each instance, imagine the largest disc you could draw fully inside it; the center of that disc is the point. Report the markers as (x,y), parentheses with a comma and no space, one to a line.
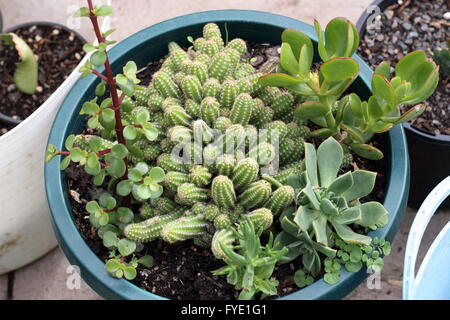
(98,74)
(111,82)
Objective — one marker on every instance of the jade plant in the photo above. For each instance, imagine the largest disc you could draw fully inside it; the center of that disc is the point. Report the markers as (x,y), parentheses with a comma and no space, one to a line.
(26,74)
(346,116)
(217,152)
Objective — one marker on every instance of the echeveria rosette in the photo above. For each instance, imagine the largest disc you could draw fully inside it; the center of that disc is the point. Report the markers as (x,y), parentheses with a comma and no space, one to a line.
(326,203)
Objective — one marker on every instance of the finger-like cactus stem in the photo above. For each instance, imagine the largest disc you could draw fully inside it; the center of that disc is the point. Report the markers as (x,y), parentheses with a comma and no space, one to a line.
(220,66)
(169,163)
(261,218)
(245,173)
(239,45)
(228,93)
(174,179)
(184,228)
(189,194)
(165,85)
(211,88)
(150,229)
(223,193)
(280,200)
(225,165)
(242,109)
(222,221)
(192,88)
(200,176)
(209,110)
(256,194)
(177,116)
(222,237)
(211,212)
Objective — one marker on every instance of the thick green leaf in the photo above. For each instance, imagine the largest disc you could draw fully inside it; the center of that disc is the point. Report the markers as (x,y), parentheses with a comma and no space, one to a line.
(297,40)
(348,235)
(383,91)
(98,58)
(375,109)
(329,160)
(341,184)
(119,151)
(348,216)
(367,151)
(304,218)
(311,109)
(157,174)
(320,229)
(371,214)
(279,80)
(384,69)
(116,168)
(124,188)
(290,227)
(311,164)
(288,60)
(126,247)
(339,69)
(342,38)
(103,11)
(411,114)
(363,184)
(26,74)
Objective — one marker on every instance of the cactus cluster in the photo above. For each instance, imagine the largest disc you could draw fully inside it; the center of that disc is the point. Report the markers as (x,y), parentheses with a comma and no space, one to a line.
(207,102)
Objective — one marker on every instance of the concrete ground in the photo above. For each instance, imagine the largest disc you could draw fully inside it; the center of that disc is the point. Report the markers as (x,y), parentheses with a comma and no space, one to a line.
(51,276)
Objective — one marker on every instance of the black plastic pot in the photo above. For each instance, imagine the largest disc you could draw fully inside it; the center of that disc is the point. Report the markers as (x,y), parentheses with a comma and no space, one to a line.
(429,153)
(1,22)
(3,117)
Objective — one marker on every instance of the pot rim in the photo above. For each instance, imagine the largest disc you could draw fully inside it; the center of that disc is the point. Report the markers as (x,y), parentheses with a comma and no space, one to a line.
(7,119)
(92,268)
(361,26)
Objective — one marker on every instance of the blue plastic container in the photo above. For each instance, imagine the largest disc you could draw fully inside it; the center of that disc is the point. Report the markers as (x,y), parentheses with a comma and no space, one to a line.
(151,44)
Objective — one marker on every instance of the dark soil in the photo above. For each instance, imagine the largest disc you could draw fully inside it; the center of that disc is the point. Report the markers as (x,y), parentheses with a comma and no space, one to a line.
(415,25)
(58,52)
(183,271)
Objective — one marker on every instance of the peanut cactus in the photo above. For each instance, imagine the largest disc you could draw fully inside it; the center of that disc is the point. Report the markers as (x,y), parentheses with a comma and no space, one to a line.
(280,200)
(222,192)
(200,176)
(245,173)
(189,194)
(261,218)
(256,194)
(184,228)
(150,230)
(222,237)
(242,109)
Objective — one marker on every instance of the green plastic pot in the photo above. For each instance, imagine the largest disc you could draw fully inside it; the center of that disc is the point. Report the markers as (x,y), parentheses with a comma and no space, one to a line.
(151,44)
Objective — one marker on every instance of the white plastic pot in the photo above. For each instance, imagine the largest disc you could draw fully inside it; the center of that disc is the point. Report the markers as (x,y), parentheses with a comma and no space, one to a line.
(25,230)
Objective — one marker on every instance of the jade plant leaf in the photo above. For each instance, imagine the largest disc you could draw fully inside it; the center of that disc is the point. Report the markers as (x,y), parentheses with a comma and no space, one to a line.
(341,39)
(422,74)
(339,69)
(288,60)
(367,151)
(26,74)
(279,80)
(383,91)
(311,109)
